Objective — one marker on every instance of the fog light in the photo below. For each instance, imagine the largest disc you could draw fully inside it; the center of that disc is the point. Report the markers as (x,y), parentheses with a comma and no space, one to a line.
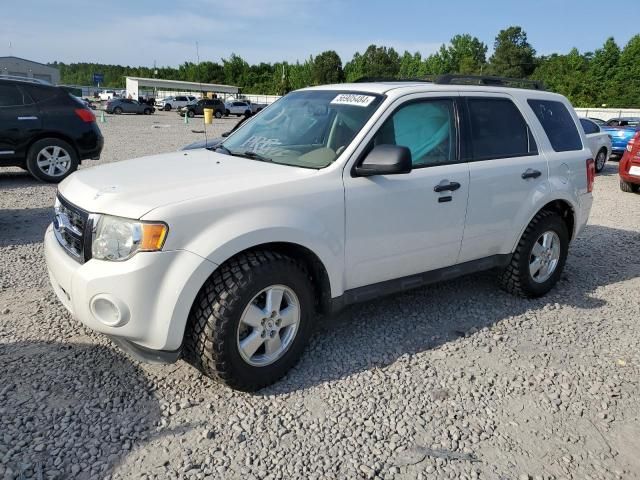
(110,311)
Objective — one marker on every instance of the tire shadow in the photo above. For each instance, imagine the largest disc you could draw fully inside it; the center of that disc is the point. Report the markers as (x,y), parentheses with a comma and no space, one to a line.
(63,416)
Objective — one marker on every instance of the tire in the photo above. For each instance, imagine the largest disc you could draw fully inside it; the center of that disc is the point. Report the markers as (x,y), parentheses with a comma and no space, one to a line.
(51,160)
(227,113)
(247,113)
(238,114)
(215,330)
(601,160)
(147,111)
(629,187)
(218,114)
(191,113)
(117,110)
(167,108)
(517,278)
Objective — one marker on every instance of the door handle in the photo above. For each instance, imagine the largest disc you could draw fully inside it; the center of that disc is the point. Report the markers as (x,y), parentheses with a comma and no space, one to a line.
(443,187)
(530,173)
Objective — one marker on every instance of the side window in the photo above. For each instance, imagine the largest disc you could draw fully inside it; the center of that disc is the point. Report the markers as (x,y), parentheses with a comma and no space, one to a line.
(558,125)
(498,130)
(11,96)
(40,94)
(589,127)
(427,128)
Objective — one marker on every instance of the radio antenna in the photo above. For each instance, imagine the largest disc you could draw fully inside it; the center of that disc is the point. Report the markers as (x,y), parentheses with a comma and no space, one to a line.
(201,92)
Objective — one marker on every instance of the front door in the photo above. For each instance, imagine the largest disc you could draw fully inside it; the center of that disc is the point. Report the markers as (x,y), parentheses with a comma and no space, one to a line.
(400,225)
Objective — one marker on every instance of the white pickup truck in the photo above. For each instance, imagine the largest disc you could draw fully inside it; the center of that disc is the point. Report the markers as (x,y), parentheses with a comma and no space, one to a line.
(599,142)
(336,194)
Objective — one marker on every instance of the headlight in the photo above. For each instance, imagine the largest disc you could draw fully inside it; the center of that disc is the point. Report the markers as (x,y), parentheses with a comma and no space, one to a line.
(117,239)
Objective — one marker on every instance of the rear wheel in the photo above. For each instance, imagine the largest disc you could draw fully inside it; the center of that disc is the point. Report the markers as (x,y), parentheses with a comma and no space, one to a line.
(629,187)
(51,160)
(251,320)
(117,110)
(167,107)
(218,114)
(147,111)
(539,259)
(191,113)
(601,160)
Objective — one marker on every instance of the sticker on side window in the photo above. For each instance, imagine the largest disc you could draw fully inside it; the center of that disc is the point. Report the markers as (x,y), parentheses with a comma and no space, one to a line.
(353,99)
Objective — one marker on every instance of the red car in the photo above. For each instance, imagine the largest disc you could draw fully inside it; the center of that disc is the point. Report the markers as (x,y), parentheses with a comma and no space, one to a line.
(629,168)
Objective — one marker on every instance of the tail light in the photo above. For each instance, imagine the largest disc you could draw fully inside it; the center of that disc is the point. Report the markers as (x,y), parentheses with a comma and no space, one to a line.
(634,139)
(85,115)
(591,174)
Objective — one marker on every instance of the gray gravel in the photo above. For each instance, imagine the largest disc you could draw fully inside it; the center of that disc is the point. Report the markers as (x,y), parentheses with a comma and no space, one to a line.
(457,380)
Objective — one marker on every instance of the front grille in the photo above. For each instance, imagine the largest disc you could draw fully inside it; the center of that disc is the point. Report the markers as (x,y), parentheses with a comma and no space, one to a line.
(72,227)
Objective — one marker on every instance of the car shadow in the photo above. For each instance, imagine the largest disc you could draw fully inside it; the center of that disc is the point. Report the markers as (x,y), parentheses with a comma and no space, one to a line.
(24,226)
(62,415)
(375,334)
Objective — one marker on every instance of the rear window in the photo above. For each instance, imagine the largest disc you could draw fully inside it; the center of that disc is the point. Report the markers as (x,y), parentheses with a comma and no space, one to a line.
(589,127)
(558,124)
(40,94)
(498,130)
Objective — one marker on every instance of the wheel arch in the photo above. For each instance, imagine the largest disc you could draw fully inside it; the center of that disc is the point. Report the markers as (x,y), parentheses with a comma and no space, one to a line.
(57,135)
(560,206)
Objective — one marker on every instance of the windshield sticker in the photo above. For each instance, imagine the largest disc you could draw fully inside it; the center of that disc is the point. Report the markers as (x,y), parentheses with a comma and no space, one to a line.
(353,99)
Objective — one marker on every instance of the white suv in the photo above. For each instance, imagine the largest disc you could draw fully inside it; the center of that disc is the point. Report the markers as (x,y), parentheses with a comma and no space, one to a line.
(176,102)
(332,195)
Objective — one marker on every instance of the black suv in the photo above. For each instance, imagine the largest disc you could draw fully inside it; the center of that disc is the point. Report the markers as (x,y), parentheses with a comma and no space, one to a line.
(197,108)
(44,129)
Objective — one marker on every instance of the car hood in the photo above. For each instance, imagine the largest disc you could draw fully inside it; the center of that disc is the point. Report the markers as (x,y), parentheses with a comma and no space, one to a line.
(132,188)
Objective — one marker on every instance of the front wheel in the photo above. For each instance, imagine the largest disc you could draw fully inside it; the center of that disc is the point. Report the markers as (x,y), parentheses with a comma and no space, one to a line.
(218,114)
(167,108)
(539,259)
(251,320)
(147,111)
(117,110)
(191,113)
(601,160)
(629,187)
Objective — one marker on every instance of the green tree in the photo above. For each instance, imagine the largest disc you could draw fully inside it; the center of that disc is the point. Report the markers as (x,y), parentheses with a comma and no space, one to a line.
(327,68)
(236,71)
(513,56)
(626,80)
(566,74)
(411,66)
(374,62)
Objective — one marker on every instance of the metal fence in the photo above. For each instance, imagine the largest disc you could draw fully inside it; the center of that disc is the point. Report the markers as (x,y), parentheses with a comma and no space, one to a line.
(607,113)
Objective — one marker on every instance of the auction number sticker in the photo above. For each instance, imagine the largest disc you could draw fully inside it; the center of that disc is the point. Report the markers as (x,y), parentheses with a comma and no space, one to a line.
(353,99)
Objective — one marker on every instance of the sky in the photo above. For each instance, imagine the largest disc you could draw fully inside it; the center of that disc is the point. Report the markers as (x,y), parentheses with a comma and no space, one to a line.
(141,32)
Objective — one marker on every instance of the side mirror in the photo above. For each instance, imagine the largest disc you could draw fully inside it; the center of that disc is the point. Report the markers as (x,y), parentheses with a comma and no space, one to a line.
(385,160)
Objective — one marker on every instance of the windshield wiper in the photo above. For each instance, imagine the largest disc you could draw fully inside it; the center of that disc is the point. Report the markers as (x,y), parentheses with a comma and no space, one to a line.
(223,148)
(254,156)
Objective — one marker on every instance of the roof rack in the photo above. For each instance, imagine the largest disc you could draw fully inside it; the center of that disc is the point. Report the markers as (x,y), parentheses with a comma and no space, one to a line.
(452,79)
(24,79)
(391,79)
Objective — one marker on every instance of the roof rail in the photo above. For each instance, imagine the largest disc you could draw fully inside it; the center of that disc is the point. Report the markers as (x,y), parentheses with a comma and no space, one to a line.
(452,79)
(391,79)
(24,79)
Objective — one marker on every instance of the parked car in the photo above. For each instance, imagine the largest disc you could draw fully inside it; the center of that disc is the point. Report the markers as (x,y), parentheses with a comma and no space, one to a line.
(622,130)
(107,95)
(599,142)
(44,129)
(126,105)
(629,168)
(198,107)
(333,195)
(238,108)
(178,101)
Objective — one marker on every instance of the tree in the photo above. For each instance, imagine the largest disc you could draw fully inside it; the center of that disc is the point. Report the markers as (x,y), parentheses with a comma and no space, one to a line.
(327,68)
(411,66)
(513,56)
(626,80)
(566,74)
(602,70)
(374,62)
(236,71)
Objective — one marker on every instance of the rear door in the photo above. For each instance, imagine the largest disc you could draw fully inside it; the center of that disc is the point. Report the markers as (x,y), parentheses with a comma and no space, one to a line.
(19,121)
(506,173)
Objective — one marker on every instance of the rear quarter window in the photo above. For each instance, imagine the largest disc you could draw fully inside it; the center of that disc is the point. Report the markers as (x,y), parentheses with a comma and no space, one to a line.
(558,124)
(589,127)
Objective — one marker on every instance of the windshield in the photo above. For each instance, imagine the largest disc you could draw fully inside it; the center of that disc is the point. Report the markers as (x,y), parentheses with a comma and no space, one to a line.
(305,128)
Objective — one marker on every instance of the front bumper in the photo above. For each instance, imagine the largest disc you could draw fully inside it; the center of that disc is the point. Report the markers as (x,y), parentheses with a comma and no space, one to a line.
(153,291)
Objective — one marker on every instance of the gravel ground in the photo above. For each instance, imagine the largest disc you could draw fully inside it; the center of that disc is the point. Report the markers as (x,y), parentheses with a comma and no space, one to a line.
(457,380)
